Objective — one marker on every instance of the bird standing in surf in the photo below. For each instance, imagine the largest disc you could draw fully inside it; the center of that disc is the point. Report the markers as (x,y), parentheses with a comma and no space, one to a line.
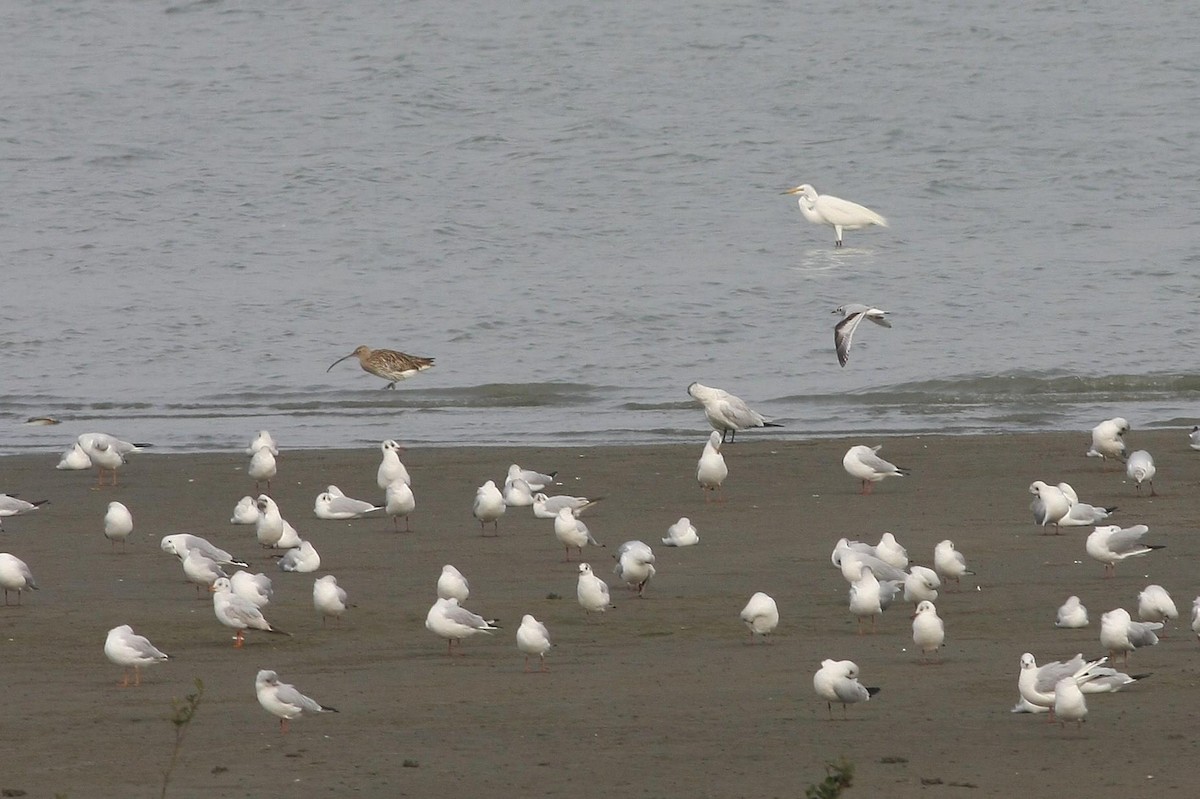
(388,364)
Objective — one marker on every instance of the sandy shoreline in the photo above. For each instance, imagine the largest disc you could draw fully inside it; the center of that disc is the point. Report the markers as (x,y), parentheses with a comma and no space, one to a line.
(661,696)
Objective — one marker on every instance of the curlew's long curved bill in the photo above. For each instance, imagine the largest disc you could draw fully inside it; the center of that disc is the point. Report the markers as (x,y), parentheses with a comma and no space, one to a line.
(339,360)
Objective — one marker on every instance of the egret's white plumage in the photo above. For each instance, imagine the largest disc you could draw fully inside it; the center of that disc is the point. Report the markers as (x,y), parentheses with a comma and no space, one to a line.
(825,209)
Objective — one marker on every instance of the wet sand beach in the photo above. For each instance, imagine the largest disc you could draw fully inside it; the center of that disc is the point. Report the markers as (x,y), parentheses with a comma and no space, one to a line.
(662,696)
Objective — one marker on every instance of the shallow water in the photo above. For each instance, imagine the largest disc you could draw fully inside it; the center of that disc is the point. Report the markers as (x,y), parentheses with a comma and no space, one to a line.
(577,211)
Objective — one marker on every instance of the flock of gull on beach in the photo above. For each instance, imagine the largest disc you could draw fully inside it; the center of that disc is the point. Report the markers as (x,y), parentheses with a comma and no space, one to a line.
(877,574)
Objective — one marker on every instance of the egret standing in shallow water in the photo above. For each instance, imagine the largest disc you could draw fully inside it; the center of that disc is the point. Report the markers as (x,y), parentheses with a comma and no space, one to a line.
(388,364)
(825,209)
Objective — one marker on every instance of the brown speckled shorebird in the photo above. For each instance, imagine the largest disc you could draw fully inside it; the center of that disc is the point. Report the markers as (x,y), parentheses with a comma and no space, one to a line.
(388,364)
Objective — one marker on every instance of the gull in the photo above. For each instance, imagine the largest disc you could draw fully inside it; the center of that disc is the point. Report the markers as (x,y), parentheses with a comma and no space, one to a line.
(1112,543)
(866,598)
(271,529)
(726,413)
(1196,616)
(15,576)
(389,364)
(180,544)
(303,559)
(390,468)
(681,534)
(283,700)
(849,559)
(837,681)
(929,631)
(128,649)
(545,507)
(106,453)
(711,470)
(1155,604)
(254,588)
(237,613)
(591,591)
(572,532)
(863,463)
(517,493)
(1120,634)
(329,598)
(118,524)
(1092,678)
(399,501)
(1081,514)
(537,481)
(1141,468)
(333,504)
(245,512)
(74,459)
(921,585)
(454,623)
(1050,505)
(452,584)
(761,616)
(262,467)
(201,570)
(1072,614)
(852,315)
(263,440)
(635,565)
(948,562)
(1069,704)
(533,639)
(1107,441)
(891,552)
(489,506)
(11,506)
(1194,437)
(825,209)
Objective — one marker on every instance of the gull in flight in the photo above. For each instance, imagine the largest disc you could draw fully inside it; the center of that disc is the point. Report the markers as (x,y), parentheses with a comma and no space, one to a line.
(726,413)
(533,639)
(1072,614)
(454,623)
(390,365)
(1140,468)
(711,470)
(129,650)
(863,463)
(1111,543)
(283,700)
(837,681)
(843,331)
(1107,441)
(761,616)
(825,209)
(681,534)
(1120,634)
(928,630)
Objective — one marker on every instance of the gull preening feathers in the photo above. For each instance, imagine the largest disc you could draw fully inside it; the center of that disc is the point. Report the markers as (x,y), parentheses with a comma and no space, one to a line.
(921,584)
(837,681)
(1120,634)
(283,700)
(825,209)
(852,315)
(711,470)
(863,463)
(1111,543)
(302,559)
(635,565)
(1155,604)
(1140,469)
(1107,441)
(245,512)
(726,413)
(1081,514)
(761,616)
(452,584)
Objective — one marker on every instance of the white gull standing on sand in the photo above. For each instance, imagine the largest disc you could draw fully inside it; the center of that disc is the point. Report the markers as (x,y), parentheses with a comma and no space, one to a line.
(237,613)
(1107,441)
(1140,469)
(1112,543)
(572,532)
(118,524)
(635,565)
(1050,505)
(489,506)
(283,700)
(446,619)
(726,413)
(533,639)
(390,468)
(591,591)
(761,615)
(452,584)
(864,464)
(928,630)
(329,598)
(837,681)
(131,651)
(711,470)
(1120,634)
(1155,604)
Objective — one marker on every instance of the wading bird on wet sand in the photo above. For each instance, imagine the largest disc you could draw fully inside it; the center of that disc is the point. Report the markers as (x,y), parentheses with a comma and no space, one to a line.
(388,364)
